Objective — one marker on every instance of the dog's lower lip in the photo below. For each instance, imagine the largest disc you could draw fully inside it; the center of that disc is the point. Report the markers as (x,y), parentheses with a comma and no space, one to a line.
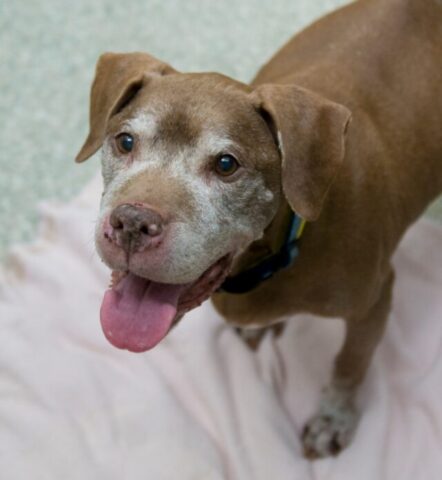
(214,276)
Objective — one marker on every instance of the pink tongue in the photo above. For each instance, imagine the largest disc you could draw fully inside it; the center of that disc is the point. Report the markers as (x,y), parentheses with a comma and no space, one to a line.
(138,313)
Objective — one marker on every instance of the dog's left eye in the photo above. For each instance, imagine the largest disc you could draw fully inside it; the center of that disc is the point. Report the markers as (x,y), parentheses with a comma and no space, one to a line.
(125,142)
(226,165)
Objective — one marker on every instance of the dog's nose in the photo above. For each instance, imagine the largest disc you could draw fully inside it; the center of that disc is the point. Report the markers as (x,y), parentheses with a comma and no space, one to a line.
(136,227)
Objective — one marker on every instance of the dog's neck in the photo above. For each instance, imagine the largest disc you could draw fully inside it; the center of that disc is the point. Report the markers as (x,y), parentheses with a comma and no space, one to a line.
(270,243)
(275,251)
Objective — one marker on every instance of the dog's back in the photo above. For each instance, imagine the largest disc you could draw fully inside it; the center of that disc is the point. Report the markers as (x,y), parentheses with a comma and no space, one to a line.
(383,60)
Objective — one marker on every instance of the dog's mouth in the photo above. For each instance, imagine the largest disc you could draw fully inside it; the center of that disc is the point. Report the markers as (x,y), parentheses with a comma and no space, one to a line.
(137,313)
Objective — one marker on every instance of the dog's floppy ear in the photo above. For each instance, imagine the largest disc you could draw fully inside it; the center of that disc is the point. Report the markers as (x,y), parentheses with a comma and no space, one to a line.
(309,131)
(118,77)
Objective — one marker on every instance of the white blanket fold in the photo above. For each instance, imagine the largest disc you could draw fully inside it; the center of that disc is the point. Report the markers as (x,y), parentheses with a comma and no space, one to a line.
(201,405)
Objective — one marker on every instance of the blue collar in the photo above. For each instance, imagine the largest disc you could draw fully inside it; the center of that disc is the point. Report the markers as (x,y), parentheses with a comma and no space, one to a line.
(249,279)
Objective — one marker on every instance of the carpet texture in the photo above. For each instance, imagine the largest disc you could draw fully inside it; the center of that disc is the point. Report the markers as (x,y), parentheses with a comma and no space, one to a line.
(47,58)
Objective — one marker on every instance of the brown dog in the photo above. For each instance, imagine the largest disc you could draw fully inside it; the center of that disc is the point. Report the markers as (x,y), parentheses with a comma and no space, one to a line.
(202,173)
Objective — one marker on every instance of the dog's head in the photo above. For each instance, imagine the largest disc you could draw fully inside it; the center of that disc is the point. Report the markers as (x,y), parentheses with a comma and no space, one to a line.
(194,167)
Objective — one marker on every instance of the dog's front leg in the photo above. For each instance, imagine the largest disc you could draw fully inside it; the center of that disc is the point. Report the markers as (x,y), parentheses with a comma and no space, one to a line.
(332,428)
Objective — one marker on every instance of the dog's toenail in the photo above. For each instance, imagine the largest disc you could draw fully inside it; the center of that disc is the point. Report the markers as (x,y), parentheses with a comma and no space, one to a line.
(306,431)
(335,446)
(310,453)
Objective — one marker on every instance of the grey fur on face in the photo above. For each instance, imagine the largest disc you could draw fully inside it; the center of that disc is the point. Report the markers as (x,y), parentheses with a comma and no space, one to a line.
(224,216)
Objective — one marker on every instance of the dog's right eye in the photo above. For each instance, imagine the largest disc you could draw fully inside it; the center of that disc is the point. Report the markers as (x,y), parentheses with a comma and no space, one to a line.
(125,142)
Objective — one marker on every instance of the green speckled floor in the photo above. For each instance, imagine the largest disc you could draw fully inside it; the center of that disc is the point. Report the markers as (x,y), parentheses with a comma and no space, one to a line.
(48,51)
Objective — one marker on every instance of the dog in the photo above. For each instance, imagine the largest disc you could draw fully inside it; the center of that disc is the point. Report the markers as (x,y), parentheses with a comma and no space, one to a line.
(285,195)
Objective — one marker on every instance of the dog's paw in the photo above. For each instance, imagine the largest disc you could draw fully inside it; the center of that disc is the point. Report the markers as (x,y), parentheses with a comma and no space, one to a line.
(331,430)
(252,337)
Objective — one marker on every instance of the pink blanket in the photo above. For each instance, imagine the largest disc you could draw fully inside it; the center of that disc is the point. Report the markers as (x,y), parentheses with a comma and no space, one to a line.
(201,405)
